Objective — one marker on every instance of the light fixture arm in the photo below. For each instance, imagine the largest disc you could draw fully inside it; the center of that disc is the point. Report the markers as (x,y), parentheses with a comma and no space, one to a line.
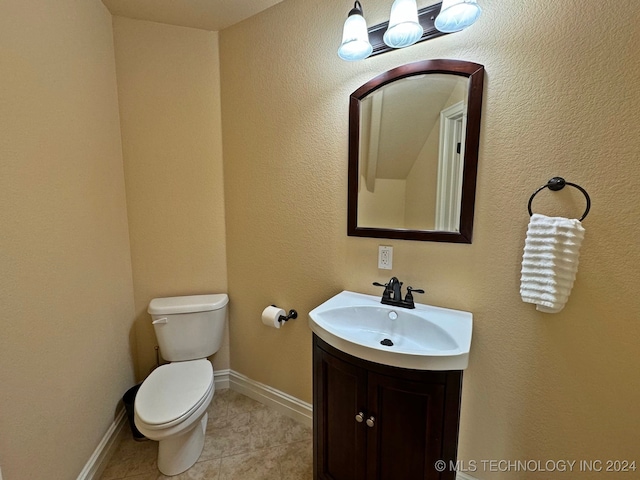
(357,9)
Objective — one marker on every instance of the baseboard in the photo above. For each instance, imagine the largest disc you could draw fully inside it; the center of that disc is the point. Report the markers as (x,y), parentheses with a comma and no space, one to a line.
(221,378)
(105,449)
(280,401)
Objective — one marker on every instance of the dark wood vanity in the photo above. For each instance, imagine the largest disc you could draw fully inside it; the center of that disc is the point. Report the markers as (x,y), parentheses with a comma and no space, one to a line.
(373,421)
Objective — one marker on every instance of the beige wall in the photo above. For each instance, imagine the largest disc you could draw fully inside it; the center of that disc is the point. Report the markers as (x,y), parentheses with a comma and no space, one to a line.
(169,93)
(561,98)
(66,287)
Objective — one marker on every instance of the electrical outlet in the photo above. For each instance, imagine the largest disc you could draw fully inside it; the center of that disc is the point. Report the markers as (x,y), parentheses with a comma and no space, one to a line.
(385,257)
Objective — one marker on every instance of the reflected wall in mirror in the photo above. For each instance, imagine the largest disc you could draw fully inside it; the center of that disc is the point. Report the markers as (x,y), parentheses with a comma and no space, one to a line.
(413,151)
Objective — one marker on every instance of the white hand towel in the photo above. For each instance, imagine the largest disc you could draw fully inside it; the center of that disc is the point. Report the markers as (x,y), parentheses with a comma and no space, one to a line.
(550,261)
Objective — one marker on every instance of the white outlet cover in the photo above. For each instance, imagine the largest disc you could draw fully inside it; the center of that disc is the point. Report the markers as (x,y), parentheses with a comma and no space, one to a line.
(385,257)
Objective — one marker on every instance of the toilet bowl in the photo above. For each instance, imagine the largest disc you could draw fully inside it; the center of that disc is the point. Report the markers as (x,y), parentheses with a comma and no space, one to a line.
(171,404)
(171,408)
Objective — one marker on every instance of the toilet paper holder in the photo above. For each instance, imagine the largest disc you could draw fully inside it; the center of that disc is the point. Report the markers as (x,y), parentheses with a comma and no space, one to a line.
(291,315)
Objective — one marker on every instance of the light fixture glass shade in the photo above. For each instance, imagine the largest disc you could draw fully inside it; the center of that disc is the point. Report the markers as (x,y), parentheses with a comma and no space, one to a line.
(404,28)
(355,37)
(456,15)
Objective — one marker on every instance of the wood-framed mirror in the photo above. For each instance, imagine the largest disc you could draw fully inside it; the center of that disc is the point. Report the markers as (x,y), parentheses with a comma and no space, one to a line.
(413,152)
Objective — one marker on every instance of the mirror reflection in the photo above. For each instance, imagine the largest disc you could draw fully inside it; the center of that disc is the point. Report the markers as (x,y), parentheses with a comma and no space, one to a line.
(413,152)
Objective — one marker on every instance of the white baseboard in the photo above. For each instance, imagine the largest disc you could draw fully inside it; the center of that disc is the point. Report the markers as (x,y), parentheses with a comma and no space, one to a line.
(105,449)
(280,401)
(221,378)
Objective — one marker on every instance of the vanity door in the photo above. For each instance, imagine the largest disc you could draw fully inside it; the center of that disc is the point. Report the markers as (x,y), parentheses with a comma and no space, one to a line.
(340,394)
(405,440)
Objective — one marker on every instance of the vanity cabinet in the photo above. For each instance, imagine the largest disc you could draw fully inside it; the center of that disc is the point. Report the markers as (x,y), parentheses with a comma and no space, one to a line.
(375,422)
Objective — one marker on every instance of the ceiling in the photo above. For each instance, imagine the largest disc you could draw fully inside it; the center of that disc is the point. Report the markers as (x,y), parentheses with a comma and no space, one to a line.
(204,14)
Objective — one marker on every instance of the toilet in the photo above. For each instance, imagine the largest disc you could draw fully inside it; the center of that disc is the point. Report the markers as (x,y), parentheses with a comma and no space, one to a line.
(171,405)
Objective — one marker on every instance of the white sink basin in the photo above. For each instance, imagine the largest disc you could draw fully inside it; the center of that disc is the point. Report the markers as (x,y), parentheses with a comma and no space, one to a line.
(424,338)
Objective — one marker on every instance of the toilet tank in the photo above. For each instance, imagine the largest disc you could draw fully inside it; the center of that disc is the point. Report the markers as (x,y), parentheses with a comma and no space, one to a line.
(189,327)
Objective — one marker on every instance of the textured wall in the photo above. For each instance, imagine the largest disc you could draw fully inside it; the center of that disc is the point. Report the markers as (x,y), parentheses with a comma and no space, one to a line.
(65,288)
(169,93)
(561,98)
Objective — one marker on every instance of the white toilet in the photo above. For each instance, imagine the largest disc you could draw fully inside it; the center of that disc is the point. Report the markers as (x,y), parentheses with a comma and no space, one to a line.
(172,402)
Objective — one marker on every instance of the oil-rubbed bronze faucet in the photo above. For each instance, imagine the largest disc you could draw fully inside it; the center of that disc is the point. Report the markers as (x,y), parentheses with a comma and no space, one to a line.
(392,294)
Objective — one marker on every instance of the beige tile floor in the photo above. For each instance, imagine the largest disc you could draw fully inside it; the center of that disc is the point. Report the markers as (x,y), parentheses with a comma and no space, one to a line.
(245,441)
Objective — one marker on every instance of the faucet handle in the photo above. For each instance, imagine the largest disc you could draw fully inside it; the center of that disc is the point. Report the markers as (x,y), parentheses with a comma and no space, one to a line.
(409,297)
(387,290)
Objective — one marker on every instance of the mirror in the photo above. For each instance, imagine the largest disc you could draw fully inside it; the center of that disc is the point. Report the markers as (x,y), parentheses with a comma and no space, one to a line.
(413,152)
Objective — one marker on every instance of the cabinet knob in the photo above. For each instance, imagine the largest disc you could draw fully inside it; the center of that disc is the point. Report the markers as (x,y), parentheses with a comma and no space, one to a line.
(371,421)
(360,417)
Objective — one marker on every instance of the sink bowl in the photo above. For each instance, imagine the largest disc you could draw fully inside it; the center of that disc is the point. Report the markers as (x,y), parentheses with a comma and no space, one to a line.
(424,338)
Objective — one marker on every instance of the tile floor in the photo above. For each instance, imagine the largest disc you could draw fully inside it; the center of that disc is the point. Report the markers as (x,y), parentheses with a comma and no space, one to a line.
(245,441)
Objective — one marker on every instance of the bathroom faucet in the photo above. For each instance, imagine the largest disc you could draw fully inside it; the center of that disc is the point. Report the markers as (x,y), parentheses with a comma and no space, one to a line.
(393,287)
(391,290)
(392,294)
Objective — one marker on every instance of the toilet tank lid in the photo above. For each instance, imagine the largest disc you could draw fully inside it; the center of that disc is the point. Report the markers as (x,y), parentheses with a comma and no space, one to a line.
(187,304)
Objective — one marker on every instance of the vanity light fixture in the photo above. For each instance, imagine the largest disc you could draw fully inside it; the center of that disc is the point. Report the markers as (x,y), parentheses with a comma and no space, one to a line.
(406,26)
(456,15)
(355,37)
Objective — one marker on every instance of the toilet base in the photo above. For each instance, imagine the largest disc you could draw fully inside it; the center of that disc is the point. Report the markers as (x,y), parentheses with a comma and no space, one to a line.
(180,453)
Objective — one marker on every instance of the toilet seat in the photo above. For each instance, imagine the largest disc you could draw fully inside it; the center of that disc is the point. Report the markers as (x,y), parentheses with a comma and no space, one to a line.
(173,392)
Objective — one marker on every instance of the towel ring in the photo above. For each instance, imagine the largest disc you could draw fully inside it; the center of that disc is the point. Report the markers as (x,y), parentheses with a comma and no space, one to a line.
(558,183)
